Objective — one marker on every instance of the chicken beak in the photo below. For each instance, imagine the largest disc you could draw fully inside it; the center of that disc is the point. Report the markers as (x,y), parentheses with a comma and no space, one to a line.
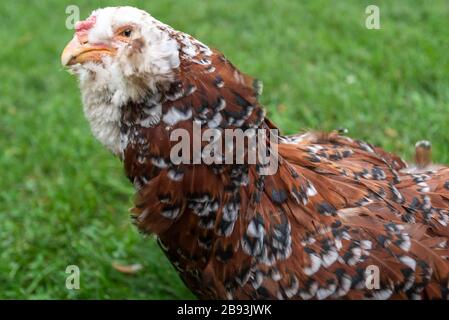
(80,51)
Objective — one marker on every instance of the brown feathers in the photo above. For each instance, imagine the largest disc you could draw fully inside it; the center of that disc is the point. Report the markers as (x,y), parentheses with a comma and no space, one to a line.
(335,210)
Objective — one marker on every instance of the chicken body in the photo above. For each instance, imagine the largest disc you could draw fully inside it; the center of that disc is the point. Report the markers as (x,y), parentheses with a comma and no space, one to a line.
(336,212)
(339,219)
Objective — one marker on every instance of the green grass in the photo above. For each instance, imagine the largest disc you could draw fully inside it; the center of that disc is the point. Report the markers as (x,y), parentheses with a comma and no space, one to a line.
(64,199)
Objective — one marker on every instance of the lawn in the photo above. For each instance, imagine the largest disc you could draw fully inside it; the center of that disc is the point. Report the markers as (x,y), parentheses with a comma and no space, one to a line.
(64,198)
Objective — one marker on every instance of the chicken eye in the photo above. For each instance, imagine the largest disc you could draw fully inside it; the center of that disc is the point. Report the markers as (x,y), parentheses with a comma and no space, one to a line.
(127,33)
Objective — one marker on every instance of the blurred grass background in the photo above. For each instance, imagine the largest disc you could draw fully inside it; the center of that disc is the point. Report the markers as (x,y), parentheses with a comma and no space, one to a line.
(64,198)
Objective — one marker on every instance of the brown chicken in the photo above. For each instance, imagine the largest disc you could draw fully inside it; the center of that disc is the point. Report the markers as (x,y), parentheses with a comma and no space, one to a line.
(338,219)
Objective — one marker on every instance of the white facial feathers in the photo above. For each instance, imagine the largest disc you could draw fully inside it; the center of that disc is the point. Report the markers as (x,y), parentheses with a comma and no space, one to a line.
(139,66)
(150,58)
(156,55)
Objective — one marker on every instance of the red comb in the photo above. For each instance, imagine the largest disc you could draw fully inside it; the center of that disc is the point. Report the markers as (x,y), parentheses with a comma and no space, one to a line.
(85,25)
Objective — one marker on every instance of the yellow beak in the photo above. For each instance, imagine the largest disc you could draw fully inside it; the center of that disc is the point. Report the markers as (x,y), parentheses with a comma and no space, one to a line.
(80,51)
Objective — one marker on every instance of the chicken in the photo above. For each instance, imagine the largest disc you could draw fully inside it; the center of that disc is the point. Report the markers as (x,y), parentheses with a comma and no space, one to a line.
(337,219)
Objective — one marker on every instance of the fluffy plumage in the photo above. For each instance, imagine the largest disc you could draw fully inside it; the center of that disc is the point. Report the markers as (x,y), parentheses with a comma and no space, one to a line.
(335,207)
